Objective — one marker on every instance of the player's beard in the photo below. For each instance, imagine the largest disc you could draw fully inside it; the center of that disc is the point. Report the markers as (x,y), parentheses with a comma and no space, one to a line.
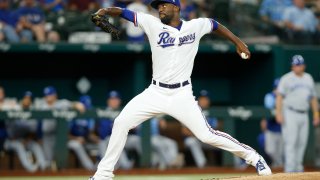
(166,19)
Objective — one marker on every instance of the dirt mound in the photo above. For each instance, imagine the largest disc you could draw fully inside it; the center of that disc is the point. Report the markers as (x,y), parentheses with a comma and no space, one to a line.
(281,176)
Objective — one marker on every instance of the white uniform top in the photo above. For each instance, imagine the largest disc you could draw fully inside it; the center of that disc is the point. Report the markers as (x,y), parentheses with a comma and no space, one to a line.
(9,104)
(173,50)
(61,104)
(49,125)
(297,91)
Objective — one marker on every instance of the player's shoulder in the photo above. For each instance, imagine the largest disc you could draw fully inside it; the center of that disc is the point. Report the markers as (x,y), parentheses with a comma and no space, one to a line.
(291,9)
(63,103)
(146,16)
(200,19)
(198,22)
(287,76)
(308,76)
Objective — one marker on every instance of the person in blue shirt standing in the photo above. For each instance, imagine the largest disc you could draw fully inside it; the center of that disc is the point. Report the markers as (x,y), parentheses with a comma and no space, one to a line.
(271,12)
(8,21)
(273,137)
(301,23)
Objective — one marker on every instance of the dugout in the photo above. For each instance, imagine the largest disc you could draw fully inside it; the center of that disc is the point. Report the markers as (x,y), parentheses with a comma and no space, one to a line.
(127,68)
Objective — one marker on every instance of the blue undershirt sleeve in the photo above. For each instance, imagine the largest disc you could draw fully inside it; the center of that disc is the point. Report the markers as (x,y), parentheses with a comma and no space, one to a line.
(129,15)
(214,24)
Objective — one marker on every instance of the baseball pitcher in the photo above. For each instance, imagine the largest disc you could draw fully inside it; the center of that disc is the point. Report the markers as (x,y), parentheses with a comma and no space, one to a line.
(174,45)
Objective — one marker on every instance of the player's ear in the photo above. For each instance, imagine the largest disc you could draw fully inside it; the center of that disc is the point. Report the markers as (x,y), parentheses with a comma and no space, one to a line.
(176,9)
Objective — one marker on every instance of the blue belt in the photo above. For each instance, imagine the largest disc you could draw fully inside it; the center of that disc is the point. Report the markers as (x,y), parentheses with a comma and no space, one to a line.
(171,86)
(297,110)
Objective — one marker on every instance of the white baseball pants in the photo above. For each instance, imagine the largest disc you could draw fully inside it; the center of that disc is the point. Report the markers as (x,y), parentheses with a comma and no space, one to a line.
(178,103)
(295,132)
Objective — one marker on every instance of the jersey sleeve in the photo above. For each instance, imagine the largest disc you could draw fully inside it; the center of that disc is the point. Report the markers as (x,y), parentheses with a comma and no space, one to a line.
(207,25)
(281,87)
(64,104)
(313,89)
(287,14)
(145,21)
(139,19)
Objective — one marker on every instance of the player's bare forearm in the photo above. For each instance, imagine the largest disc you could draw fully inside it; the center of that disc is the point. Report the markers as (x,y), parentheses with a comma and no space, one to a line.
(314,104)
(111,11)
(279,102)
(226,33)
(315,110)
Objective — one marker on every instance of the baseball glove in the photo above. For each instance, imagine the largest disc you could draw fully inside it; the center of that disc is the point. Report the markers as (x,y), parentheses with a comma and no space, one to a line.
(105,25)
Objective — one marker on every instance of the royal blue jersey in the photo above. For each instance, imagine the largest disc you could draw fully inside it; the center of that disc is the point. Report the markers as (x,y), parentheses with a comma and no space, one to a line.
(57,7)
(33,14)
(104,128)
(81,127)
(8,17)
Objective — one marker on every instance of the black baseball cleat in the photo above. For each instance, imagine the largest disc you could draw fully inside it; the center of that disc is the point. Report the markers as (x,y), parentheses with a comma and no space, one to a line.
(91,178)
(262,167)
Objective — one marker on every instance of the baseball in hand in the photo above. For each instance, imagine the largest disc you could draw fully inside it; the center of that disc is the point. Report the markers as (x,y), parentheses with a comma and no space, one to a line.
(244,55)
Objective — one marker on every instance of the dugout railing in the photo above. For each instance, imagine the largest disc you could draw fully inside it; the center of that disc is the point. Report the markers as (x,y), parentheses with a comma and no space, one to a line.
(240,122)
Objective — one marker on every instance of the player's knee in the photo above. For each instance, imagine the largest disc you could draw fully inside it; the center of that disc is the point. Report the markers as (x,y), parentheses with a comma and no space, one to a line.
(120,125)
(205,138)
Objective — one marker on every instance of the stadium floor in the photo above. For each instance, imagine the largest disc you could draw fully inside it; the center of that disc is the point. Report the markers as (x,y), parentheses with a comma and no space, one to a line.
(277,176)
(214,173)
(134,177)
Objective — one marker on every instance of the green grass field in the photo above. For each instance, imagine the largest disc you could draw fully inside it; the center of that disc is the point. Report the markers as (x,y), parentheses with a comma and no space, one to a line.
(156,177)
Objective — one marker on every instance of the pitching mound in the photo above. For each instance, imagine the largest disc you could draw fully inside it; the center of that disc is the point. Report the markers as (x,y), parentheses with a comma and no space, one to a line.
(282,176)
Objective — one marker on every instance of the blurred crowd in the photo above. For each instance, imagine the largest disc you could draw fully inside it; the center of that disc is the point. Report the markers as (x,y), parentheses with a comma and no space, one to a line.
(269,21)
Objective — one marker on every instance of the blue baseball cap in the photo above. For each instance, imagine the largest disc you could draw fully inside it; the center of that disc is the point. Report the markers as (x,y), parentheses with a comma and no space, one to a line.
(204,93)
(49,90)
(86,101)
(114,94)
(27,94)
(297,60)
(155,3)
(276,83)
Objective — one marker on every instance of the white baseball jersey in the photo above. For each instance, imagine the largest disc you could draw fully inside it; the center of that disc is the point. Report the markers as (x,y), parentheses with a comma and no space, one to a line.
(173,50)
(297,91)
(60,104)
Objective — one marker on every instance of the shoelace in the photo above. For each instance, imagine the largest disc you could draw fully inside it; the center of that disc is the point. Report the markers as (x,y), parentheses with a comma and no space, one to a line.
(260,166)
